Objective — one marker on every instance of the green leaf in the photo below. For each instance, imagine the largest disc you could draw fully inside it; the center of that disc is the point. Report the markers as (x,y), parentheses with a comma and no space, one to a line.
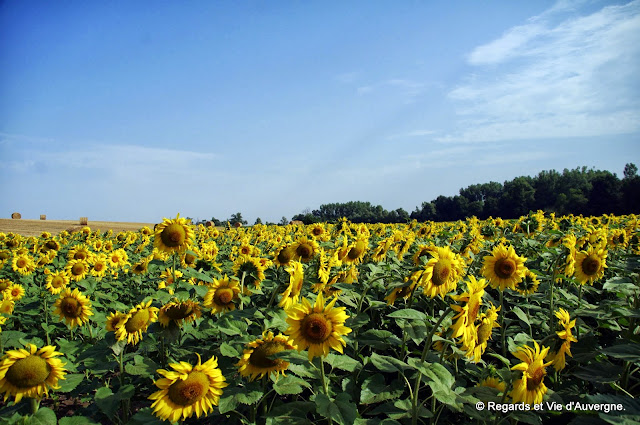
(109,402)
(227,403)
(521,315)
(408,313)
(44,416)
(439,379)
(106,402)
(144,416)
(70,382)
(343,411)
(387,364)
(77,420)
(343,362)
(378,338)
(628,352)
(228,350)
(601,373)
(290,385)
(292,356)
(374,390)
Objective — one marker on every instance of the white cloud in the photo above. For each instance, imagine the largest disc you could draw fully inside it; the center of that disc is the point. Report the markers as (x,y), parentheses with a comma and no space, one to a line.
(571,79)
(413,133)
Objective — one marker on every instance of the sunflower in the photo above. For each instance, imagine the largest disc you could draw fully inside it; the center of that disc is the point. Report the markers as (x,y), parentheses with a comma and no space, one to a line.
(306,249)
(529,284)
(317,328)
(492,382)
(464,322)
(441,273)
(118,258)
(319,232)
(23,264)
(142,266)
(256,360)
(178,312)
(188,259)
(283,255)
(221,295)
(175,235)
(482,335)
(188,389)
(422,252)
(113,320)
(14,292)
(73,307)
(291,295)
(77,269)
(503,268)
(79,252)
(56,281)
(136,322)
(4,284)
(590,265)
(100,265)
(30,372)
(7,306)
(356,251)
(565,338)
(167,275)
(401,291)
(249,271)
(530,389)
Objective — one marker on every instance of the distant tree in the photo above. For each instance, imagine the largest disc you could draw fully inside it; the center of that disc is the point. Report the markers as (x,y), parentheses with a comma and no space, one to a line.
(258,221)
(630,190)
(237,218)
(216,222)
(517,197)
(605,195)
(284,221)
(630,171)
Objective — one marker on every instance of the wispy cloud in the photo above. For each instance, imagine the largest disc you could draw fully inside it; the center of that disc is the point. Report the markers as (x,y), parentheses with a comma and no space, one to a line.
(573,78)
(124,161)
(413,133)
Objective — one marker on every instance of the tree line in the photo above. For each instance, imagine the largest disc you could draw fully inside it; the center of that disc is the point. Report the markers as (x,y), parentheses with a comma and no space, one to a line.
(579,191)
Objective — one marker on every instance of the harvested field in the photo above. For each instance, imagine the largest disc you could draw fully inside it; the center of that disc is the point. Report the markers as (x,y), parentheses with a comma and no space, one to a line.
(36,227)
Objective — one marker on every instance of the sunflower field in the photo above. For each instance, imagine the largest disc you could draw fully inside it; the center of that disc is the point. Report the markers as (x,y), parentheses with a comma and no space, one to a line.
(534,320)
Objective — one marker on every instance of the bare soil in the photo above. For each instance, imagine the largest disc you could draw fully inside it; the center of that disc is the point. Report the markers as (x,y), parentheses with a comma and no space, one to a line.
(36,227)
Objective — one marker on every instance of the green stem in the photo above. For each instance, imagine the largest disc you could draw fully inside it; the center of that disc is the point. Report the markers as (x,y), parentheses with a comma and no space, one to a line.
(425,351)
(579,303)
(121,364)
(503,331)
(325,384)
(242,290)
(46,319)
(35,405)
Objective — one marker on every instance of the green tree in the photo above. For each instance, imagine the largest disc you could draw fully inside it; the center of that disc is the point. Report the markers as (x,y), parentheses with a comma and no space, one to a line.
(237,218)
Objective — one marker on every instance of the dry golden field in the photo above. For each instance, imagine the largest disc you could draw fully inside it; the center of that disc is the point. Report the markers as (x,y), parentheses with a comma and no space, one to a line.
(36,227)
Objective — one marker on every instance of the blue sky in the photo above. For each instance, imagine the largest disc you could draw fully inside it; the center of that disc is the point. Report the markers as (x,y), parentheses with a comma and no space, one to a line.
(135,111)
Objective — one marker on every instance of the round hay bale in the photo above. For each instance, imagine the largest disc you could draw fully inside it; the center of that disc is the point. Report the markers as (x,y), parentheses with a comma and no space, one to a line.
(237,224)
(208,224)
(43,216)
(16,216)
(84,221)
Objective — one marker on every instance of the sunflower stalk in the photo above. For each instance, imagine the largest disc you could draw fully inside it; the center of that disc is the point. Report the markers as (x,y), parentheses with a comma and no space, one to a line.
(503,331)
(35,405)
(359,307)
(244,274)
(425,351)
